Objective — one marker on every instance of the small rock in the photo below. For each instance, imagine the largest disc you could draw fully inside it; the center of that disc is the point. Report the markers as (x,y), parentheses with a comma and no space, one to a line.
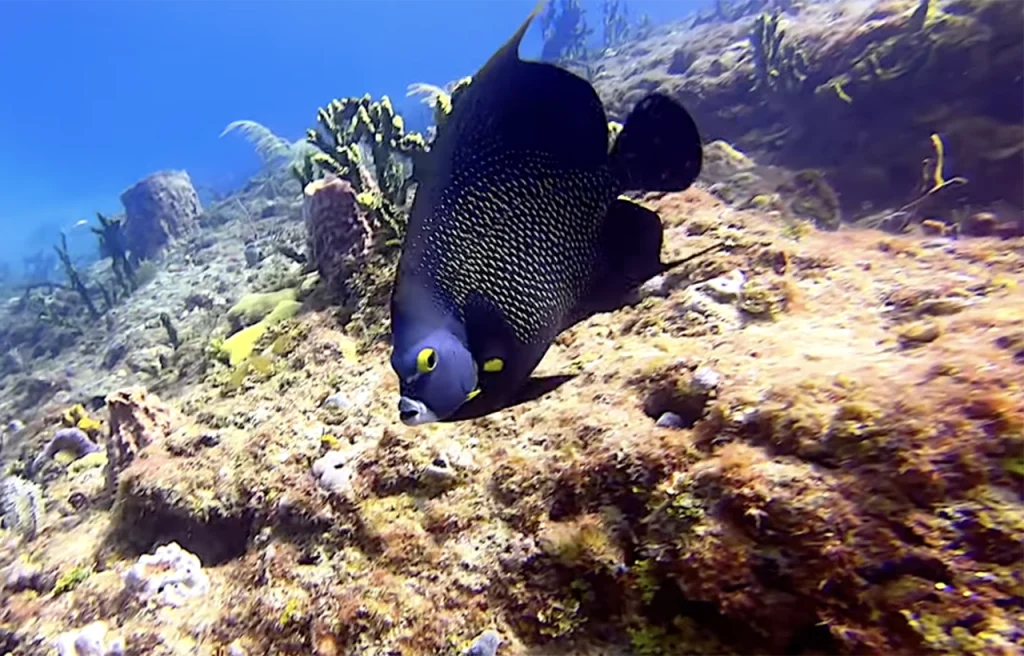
(337,401)
(918,333)
(705,379)
(724,288)
(90,640)
(670,420)
(656,286)
(170,576)
(942,306)
(439,471)
(200,300)
(209,439)
(12,362)
(78,500)
(980,224)
(20,576)
(333,472)
(485,644)
(114,354)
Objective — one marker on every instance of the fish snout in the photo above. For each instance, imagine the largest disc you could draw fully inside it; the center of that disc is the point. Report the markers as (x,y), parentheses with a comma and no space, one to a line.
(414,413)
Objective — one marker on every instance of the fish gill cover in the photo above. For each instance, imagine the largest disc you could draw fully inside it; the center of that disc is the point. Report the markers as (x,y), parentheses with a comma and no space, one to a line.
(804,436)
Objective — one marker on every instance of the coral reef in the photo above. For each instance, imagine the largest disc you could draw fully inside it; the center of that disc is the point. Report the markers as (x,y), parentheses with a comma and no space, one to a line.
(801,443)
(805,440)
(73,441)
(853,90)
(137,418)
(158,209)
(170,576)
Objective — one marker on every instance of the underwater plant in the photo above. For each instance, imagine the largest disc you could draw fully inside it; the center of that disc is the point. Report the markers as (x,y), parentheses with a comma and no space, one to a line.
(439,100)
(781,66)
(275,151)
(74,279)
(616,23)
(270,147)
(112,244)
(565,31)
(365,143)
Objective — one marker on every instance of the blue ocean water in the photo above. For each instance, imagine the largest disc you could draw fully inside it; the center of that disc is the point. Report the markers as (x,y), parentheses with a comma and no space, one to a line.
(97,95)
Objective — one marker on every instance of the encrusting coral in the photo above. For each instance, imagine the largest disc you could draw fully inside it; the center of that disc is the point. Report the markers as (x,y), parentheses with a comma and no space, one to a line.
(805,441)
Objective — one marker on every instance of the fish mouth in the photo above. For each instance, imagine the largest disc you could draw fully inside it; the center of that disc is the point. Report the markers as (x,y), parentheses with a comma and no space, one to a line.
(414,413)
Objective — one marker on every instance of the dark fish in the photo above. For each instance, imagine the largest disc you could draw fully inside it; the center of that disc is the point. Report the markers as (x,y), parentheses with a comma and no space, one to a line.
(517,230)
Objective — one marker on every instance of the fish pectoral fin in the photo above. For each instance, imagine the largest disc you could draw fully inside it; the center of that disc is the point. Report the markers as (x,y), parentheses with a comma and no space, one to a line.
(659,148)
(490,337)
(630,253)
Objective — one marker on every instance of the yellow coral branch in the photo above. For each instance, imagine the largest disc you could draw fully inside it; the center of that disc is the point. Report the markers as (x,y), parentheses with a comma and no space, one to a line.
(938,179)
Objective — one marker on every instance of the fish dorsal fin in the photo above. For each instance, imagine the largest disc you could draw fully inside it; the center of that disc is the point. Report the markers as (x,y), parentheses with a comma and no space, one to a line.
(526,106)
(510,51)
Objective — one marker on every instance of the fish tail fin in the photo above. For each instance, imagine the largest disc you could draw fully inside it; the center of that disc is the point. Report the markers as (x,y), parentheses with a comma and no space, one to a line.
(659,148)
(511,48)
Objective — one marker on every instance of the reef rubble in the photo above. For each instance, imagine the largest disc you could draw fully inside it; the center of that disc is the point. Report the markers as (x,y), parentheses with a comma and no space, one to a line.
(842,475)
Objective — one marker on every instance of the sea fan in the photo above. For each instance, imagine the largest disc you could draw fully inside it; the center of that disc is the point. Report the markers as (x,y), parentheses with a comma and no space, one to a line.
(270,147)
(430,93)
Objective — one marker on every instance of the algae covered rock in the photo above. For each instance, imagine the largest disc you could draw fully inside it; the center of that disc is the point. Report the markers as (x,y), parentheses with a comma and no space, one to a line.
(137,419)
(852,89)
(159,209)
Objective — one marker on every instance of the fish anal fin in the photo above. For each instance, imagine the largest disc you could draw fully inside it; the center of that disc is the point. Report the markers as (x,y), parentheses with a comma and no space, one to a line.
(659,148)
(631,238)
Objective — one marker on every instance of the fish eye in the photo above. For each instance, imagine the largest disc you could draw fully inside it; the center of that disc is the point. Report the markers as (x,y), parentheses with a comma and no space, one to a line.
(426,360)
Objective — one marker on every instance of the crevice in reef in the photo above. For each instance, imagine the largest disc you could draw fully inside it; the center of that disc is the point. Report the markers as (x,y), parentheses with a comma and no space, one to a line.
(144,523)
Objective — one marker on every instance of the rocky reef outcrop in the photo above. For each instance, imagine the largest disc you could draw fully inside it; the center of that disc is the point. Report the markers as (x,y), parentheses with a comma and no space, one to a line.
(851,89)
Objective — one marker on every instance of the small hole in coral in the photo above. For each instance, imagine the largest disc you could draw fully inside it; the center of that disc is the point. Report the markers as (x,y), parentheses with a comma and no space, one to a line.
(682,400)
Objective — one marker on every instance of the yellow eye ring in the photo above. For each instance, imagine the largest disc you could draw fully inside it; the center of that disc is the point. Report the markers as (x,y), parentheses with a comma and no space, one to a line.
(426,360)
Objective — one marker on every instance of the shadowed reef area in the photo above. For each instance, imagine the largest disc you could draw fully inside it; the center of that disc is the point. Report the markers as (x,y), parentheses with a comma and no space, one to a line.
(851,89)
(810,441)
